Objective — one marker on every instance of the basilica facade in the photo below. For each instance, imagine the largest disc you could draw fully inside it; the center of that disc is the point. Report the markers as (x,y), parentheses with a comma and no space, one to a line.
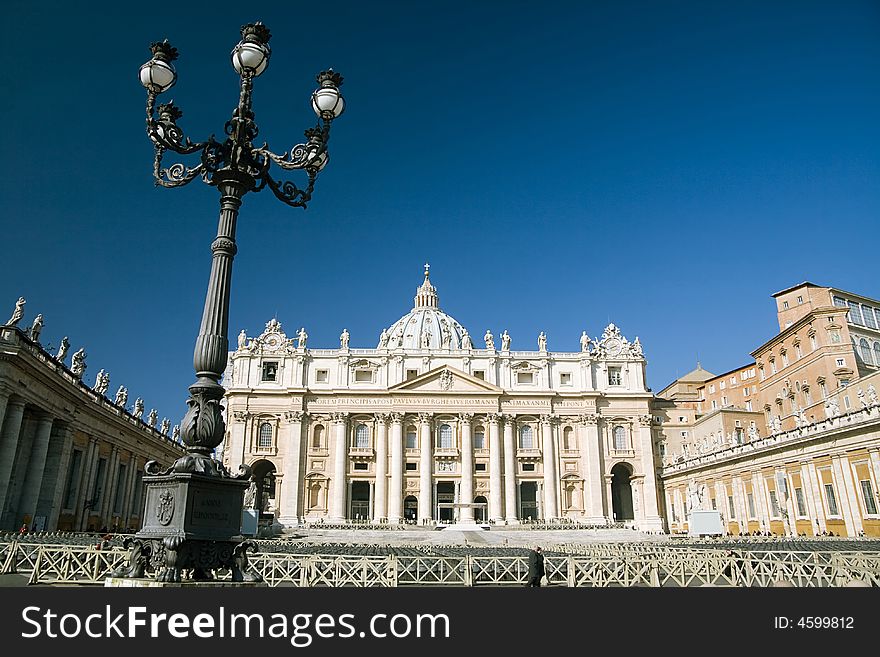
(429,427)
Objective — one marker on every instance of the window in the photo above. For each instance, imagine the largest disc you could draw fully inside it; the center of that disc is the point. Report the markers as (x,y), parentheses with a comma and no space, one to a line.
(773,366)
(855,314)
(823,389)
(733,380)
(797,350)
(614,376)
(480,374)
(739,436)
(363,376)
(270,370)
(264,437)
(411,437)
(714,505)
(724,400)
(684,434)
(774,505)
(526,440)
(868,315)
(620,441)
(480,467)
(362,436)
(71,488)
(813,344)
(785,305)
(761,373)
(565,379)
(840,362)
(322,376)
(411,466)
(751,500)
(525,377)
(411,374)
(682,418)
(568,439)
(714,404)
(445,436)
(731,510)
(877,353)
(712,389)
(722,385)
(661,450)
(784,355)
(361,466)
(528,467)
(801,505)
(840,302)
(868,496)
(479,438)
(846,403)
(831,500)
(800,300)
(318,437)
(749,405)
(865,350)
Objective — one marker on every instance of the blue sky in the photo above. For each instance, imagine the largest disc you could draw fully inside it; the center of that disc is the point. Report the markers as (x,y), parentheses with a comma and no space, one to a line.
(665,166)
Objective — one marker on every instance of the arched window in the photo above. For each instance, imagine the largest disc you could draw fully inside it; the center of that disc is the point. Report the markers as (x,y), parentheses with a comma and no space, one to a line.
(264,439)
(620,437)
(411,437)
(479,438)
(362,436)
(865,348)
(318,436)
(877,354)
(568,440)
(525,437)
(445,436)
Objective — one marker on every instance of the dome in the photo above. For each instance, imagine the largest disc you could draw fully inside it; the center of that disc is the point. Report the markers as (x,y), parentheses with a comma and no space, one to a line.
(425,326)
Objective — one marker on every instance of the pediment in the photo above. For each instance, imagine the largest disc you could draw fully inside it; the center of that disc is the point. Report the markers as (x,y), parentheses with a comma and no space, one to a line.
(448,381)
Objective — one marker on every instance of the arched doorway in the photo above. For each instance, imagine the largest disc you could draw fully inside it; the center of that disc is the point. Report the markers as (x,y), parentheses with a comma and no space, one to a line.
(360,500)
(480,511)
(263,474)
(621,493)
(410,509)
(528,500)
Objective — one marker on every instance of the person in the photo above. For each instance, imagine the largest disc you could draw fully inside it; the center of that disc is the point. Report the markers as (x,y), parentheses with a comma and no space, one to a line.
(23,529)
(536,567)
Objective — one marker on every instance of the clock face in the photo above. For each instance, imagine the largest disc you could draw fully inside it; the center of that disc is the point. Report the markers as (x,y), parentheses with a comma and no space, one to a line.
(272,341)
(613,346)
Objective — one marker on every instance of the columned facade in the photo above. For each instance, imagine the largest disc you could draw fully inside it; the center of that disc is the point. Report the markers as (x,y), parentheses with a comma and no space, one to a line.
(437,425)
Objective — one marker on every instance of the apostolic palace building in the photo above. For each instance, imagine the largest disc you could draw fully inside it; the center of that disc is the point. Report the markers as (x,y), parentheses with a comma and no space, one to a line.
(435,424)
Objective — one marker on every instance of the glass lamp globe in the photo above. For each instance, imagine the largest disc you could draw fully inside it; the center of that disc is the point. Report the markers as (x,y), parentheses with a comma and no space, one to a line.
(157,74)
(328,103)
(249,56)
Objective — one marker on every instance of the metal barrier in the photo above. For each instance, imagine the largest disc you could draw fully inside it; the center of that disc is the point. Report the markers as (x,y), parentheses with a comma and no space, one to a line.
(604,566)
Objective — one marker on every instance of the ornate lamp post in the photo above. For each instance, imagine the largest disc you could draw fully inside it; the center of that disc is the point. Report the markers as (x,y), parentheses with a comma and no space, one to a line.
(196,501)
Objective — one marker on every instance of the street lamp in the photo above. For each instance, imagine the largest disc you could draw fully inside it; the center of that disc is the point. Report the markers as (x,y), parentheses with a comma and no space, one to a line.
(196,488)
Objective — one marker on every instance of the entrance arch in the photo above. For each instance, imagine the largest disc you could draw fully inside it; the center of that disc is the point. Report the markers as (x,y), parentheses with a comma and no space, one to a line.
(263,473)
(480,511)
(360,500)
(410,509)
(621,492)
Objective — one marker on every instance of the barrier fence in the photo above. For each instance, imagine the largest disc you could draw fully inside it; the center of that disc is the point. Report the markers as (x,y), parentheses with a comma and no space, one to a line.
(591,566)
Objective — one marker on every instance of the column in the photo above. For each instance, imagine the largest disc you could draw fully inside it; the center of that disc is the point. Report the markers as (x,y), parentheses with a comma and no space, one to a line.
(496,511)
(758,488)
(652,520)
(817,490)
(291,468)
(33,480)
(426,469)
(85,489)
(112,475)
(847,492)
(55,475)
(637,486)
(4,400)
(237,449)
(608,497)
(9,446)
(539,499)
(380,507)
(130,472)
(395,488)
(589,424)
(338,484)
(510,471)
(549,459)
(467,468)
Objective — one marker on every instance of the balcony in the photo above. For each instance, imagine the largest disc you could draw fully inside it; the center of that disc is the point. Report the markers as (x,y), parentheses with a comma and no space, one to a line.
(446,453)
(360,453)
(528,454)
(622,453)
